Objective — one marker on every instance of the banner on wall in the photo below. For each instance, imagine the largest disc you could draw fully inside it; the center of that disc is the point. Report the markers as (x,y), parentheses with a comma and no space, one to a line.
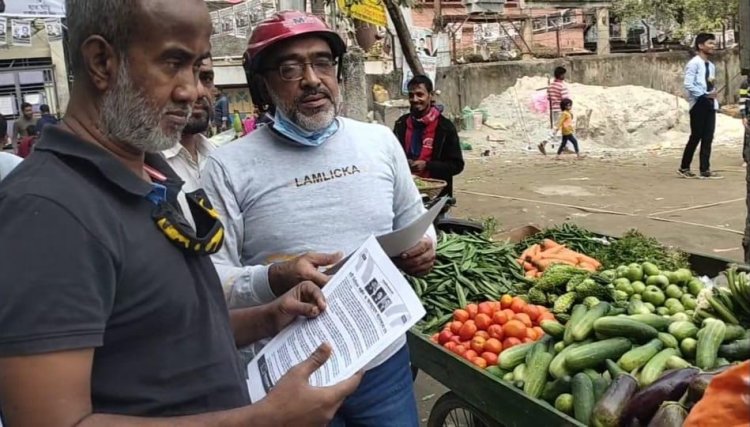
(39,8)
(21,32)
(429,64)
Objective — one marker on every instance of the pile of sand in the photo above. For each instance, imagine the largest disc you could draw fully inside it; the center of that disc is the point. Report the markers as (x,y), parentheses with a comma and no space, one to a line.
(623,117)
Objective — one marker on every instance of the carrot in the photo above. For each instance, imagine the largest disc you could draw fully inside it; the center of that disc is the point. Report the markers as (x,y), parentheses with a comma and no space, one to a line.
(589,260)
(549,243)
(560,258)
(528,266)
(554,250)
(587,266)
(535,251)
(539,274)
(532,273)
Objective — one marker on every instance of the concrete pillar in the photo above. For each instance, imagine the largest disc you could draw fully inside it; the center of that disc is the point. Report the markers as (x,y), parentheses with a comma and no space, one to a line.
(602,31)
(57,53)
(527,33)
(354,85)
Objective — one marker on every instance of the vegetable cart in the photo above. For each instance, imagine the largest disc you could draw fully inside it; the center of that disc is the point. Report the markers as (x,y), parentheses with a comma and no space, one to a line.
(478,398)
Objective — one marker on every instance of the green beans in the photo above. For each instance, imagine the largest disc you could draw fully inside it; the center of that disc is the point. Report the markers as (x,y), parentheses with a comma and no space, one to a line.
(468,268)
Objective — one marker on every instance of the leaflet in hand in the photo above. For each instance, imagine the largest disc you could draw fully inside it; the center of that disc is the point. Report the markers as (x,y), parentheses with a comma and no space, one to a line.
(369,306)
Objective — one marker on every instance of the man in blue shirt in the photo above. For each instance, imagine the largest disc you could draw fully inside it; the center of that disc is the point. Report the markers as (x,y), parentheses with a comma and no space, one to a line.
(700,79)
(46,119)
(222,120)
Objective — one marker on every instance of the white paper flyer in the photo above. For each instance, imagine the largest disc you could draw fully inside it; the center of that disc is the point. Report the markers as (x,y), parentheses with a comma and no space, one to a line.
(370,305)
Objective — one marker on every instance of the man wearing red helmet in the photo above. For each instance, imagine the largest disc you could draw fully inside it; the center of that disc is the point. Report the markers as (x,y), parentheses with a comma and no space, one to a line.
(309,184)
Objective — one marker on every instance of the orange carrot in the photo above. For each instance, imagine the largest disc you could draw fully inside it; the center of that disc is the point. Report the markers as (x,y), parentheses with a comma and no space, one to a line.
(589,260)
(545,263)
(531,273)
(555,250)
(586,266)
(528,266)
(548,244)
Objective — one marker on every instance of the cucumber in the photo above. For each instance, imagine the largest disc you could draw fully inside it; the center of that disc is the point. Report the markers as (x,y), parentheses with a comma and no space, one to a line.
(654,367)
(538,347)
(536,374)
(625,327)
(564,403)
(614,369)
(594,354)
(583,397)
(688,346)
(708,344)
(555,388)
(733,333)
(668,340)
(670,414)
(553,328)
(683,329)
(654,320)
(639,356)
(677,362)
(557,368)
(514,356)
(738,350)
(576,315)
(600,386)
(519,372)
(509,377)
(558,347)
(584,327)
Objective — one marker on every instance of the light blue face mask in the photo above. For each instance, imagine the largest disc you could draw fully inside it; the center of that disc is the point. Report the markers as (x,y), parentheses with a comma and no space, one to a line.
(296,134)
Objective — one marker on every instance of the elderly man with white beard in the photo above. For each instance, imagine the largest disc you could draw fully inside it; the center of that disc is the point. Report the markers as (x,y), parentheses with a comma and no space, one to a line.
(111,312)
(311,184)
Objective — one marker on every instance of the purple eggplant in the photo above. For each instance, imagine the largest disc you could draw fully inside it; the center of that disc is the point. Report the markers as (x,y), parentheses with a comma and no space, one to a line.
(670,414)
(646,402)
(699,384)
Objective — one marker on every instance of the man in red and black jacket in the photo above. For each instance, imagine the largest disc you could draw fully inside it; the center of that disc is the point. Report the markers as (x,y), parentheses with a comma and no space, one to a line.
(430,140)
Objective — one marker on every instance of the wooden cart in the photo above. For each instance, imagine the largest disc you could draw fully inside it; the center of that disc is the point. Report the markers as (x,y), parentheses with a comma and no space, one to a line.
(479,399)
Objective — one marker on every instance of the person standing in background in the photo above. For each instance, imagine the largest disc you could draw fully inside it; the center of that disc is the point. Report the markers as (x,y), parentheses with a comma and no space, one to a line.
(430,140)
(22,123)
(46,119)
(4,143)
(187,157)
(221,112)
(700,78)
(556,92)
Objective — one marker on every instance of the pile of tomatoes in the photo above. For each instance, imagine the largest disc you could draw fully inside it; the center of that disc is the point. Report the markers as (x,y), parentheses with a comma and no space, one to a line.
(480,332)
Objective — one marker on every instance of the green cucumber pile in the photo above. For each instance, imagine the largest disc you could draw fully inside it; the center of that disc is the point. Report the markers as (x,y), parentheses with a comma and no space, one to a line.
(591,367)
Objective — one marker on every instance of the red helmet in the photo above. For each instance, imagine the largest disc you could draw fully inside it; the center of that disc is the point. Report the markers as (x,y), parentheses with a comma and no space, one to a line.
(288,24)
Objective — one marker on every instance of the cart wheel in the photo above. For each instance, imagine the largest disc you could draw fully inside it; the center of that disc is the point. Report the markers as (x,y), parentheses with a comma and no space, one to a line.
(452,411)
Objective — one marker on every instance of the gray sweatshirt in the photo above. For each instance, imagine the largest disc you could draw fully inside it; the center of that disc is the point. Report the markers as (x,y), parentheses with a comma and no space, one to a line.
(278,200)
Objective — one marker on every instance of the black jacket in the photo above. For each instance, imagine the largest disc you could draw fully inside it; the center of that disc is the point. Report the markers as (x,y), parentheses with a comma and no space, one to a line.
(447,159)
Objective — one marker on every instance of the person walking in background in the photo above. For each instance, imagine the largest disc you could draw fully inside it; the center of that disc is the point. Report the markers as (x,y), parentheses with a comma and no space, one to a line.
(429,139)
(565,126)
(22,124)
(556,92)
(700,78)
(46,119)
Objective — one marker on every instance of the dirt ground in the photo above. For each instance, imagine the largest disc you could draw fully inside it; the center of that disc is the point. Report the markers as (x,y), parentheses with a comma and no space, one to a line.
(705,216)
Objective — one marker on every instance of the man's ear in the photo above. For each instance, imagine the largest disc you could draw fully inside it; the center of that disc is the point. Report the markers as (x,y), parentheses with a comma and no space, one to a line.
(100,62)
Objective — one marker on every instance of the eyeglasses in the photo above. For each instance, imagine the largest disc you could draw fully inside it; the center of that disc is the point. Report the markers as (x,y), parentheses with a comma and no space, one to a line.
(296,71)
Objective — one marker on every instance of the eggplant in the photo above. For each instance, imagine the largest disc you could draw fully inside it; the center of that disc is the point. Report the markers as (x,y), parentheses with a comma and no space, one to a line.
(670,414)
(699,384)
(609,408)
(646,402)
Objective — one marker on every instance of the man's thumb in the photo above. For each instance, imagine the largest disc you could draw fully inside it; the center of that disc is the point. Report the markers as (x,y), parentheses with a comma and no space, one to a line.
(319,357)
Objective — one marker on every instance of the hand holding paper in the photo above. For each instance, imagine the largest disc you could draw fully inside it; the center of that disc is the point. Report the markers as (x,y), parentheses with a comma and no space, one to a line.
(305,299)
(285,275)
(305,405)
(418,260)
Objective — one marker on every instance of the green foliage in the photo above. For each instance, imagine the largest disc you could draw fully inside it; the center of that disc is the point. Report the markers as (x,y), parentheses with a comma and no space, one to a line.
(689,16)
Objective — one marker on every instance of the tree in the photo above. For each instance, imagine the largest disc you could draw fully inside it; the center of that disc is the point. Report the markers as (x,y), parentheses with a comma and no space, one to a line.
(689,16)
